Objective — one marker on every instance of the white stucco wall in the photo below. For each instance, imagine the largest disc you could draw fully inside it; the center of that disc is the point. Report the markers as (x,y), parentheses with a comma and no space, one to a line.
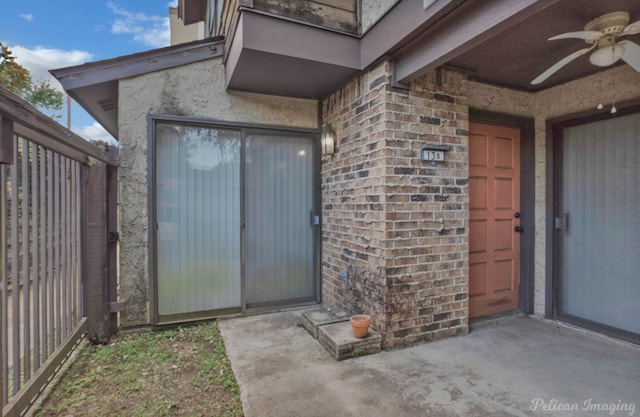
(619,84)
(195,90)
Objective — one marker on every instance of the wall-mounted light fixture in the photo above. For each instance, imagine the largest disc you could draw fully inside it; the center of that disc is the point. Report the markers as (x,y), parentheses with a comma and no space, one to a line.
(328,140)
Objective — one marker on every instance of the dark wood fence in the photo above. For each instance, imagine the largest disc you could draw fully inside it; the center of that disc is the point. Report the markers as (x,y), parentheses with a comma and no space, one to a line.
(58,255)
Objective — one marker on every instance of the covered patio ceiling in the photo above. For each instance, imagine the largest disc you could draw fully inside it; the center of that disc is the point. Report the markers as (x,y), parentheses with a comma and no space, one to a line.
(514,57)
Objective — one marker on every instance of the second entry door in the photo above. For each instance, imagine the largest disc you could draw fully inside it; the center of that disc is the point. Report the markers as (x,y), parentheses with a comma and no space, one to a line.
(494,201)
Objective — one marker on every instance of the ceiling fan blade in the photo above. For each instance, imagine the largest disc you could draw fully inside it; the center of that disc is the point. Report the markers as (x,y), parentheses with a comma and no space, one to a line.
(585,34)
(564,61)
(631,54)
(632,28)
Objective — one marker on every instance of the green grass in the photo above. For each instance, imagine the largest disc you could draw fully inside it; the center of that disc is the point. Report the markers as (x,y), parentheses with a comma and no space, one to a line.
(182,371)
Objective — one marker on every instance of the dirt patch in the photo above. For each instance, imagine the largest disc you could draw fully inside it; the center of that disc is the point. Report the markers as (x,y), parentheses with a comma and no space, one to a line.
(178,372)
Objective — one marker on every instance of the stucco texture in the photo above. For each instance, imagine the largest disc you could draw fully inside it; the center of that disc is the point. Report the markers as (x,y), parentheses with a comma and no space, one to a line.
(373,10)
(618,84)
(195,90)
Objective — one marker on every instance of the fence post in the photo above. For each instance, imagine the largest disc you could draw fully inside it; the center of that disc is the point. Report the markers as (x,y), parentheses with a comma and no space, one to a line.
(6,140)
(112,245)
(6,157)
(96,285)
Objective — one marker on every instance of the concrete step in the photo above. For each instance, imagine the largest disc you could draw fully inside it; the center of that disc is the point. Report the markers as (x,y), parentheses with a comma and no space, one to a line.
(320,316)
(333,330)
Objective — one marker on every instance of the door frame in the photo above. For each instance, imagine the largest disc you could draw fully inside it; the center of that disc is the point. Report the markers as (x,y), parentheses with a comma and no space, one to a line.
(527,195)
(152,121)
(554,136)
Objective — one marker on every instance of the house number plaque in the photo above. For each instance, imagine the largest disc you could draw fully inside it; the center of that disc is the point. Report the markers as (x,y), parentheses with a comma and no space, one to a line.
(433,153)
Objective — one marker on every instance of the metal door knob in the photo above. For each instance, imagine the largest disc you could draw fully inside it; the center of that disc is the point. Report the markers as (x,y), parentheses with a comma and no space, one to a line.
(518,229)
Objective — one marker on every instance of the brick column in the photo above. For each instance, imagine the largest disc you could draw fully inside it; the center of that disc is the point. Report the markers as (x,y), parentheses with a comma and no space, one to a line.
(395,232)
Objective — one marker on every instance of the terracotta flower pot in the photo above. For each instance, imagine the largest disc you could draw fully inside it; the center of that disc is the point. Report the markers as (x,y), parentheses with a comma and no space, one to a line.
(360,325)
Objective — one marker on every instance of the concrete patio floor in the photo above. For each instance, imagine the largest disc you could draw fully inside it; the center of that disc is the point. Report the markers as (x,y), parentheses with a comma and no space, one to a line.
(514,366)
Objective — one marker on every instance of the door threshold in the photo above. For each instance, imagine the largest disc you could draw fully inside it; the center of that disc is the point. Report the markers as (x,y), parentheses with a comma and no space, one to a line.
(494,318)
(278,308)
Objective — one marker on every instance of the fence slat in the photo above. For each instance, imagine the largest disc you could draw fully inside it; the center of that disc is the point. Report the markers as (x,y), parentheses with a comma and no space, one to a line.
(4,348)
(63,244)
(56,248)
(50,254)
(15,277)
(43,252)
(35,259)
(26,276)
(79,262)
(72,243)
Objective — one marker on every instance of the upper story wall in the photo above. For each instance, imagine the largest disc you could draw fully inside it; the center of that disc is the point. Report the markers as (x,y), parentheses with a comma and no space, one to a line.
(181,33)
(335,14)
(372,11)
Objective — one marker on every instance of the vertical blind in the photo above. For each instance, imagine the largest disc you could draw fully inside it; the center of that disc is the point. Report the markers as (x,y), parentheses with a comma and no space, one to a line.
(279,233)
(198,215)
(601,248)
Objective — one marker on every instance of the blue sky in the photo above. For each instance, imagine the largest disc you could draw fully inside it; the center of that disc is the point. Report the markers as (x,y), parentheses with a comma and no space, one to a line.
(55,34)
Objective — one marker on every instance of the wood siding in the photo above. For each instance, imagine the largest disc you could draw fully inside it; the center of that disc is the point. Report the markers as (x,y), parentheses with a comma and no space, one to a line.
(333,14)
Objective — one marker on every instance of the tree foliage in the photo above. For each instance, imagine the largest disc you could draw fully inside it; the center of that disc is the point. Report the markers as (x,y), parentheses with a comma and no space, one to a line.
(18,79)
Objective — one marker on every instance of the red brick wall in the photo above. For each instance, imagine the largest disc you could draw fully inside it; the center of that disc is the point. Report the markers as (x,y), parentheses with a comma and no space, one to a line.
(353,198)
(395,225)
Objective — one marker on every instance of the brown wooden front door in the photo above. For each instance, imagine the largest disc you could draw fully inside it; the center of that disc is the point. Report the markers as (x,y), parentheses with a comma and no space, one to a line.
(494,203)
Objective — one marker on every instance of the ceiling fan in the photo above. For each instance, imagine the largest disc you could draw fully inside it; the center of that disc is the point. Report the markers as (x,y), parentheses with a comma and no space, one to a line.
(602,34)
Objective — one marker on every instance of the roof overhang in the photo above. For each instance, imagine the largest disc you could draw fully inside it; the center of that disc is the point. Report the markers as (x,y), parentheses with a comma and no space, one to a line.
(95,85)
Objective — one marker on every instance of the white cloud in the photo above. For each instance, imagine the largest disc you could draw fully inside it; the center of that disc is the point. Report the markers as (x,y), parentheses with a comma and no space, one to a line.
(40,60)
(173,3)
(27,16)
(150,30)
(94,132)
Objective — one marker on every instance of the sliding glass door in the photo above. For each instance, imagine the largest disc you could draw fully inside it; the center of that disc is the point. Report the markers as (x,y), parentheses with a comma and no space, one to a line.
(280,229)
(234,213)
(597,221)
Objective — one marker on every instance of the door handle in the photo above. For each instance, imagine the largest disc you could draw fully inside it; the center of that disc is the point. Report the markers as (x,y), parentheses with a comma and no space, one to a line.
(518,229)
(314,219)
(562,222)
(516,214)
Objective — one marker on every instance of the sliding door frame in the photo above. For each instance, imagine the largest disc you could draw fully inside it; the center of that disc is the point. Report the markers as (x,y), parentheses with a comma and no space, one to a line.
(244,129)
(555,137)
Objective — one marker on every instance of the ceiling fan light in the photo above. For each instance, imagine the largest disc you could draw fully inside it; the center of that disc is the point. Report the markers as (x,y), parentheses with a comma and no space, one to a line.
(607,55)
